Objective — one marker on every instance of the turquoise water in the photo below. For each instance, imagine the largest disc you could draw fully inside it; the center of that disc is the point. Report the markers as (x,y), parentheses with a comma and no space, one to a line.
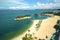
(53,37)
(10,28)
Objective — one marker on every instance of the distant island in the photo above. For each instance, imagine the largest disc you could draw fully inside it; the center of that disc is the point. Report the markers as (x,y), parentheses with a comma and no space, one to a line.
(54,13)
(25,17)
(22,17)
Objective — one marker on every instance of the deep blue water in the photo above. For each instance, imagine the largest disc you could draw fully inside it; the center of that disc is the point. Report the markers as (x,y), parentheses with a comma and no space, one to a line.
(8,26)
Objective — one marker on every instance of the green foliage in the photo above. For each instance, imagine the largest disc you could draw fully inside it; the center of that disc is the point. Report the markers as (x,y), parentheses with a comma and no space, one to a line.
(47,12)
(23,16)
(58,14)
(27,37)
(55,13)
(27,15)
(57,26)
(35,15)
(38,25)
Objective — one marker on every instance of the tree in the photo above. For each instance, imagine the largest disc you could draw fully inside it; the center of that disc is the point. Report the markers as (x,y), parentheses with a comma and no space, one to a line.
(35,14)
(27,37)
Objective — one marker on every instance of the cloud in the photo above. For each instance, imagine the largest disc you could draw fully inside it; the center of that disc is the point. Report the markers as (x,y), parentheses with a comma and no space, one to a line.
(21,7)
(14,2)
(22,4)
(14,7)
(46,5)
(18,2)
(38,6)
(57,1)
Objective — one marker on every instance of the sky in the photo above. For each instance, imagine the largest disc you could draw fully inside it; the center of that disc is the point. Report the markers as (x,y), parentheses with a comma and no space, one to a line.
(29,4)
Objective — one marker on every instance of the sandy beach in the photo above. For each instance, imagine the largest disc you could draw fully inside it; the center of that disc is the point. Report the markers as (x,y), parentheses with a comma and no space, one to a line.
(31,28)
(46,29)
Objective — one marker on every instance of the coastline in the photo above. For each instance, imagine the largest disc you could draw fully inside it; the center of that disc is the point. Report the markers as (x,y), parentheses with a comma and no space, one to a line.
(46,28)
(23,34)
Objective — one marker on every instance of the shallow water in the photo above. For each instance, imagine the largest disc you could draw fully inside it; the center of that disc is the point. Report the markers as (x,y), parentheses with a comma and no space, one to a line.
(10,28)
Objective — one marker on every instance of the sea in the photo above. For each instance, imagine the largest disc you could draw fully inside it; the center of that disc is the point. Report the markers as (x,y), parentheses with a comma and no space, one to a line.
(9,28)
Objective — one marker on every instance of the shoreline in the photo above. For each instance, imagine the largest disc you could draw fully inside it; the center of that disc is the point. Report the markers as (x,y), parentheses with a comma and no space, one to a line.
(46,28)
(23,34)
